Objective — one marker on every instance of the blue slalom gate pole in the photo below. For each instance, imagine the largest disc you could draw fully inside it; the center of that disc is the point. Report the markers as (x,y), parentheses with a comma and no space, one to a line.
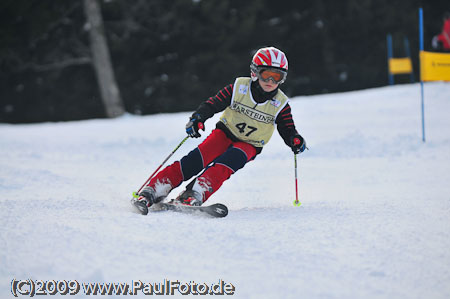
(390,54)
(421,81)
(408,54)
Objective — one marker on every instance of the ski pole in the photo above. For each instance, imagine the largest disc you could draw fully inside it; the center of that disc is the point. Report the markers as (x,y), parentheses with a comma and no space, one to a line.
(297,203)
(159,167)
(201,126)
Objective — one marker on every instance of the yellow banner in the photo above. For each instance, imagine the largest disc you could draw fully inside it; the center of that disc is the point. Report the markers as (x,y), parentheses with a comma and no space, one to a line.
(434,66)
(400,66)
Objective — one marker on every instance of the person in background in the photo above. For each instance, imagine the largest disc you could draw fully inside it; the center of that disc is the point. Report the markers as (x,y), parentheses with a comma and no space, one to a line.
(441,42)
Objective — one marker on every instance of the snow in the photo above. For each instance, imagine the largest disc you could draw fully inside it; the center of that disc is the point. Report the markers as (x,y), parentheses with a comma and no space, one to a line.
(374,220)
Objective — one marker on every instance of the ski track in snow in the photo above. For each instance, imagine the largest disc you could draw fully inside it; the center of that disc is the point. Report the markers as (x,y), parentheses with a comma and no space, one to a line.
(374,220)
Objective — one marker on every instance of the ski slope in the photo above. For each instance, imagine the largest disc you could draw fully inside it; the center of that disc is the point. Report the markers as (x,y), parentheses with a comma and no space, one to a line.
(374,220)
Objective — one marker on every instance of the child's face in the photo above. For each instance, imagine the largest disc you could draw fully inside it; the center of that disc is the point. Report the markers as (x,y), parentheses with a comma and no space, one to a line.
(268,86)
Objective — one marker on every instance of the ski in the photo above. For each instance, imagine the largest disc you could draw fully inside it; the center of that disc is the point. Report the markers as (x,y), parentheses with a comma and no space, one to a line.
(140,206)
(216,210)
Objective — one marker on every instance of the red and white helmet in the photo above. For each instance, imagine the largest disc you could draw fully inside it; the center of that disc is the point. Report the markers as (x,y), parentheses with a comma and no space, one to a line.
(266,58)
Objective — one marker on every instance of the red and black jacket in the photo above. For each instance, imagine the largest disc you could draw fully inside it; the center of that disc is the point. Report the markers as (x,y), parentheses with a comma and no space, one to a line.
(219,102)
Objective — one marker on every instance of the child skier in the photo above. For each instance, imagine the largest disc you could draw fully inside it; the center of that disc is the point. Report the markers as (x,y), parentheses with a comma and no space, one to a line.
(252,107)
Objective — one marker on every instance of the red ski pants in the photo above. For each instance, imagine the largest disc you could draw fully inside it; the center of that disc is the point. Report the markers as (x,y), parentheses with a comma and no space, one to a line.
(217,155)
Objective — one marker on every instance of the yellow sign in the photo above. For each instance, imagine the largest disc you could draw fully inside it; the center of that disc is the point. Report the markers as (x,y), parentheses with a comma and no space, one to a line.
(434,66)
(400,66)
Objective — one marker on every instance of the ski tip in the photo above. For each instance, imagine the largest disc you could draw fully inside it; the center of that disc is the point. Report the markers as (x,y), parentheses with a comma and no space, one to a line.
(220,210)
(141,207)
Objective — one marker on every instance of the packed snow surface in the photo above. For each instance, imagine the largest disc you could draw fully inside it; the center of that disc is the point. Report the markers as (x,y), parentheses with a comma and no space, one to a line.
(374,220)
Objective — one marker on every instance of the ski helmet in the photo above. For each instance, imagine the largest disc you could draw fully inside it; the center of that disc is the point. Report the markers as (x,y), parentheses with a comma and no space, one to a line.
(269,58)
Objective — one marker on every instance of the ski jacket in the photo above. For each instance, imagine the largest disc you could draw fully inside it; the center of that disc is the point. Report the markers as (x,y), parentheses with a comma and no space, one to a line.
(223,100)
(250,121)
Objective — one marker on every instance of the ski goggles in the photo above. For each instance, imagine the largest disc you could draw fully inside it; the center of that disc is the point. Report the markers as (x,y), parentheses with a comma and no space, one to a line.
(267,74)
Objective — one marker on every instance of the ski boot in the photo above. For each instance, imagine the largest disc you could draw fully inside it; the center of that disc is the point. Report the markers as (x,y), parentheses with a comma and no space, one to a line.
(147,197)
(190,198)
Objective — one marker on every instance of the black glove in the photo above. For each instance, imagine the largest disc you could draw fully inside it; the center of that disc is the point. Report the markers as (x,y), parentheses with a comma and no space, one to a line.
(194,125)
(298,144)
